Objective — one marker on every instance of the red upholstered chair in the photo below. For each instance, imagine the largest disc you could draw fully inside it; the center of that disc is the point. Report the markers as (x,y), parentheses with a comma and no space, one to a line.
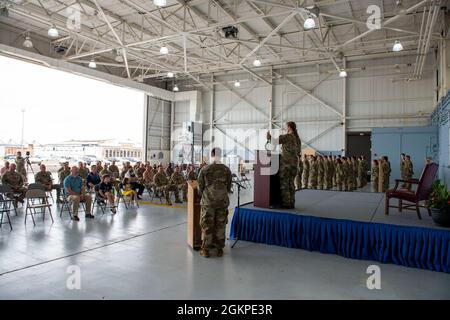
(421,192)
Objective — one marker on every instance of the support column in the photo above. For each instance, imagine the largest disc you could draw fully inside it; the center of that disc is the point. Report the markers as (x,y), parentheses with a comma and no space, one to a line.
(271,99)
(444,67)
(344,111)
(145,138)
(211,113)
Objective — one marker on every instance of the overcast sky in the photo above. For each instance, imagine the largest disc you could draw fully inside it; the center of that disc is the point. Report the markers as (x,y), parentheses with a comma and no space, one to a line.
(62,106)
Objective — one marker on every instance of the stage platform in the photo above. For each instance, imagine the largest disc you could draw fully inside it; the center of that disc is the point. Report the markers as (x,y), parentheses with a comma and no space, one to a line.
(350,224)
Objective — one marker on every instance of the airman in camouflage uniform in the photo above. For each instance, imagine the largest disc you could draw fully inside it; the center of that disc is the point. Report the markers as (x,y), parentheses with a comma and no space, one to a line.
(169,170)
(320,172)
(15,181)
(305,174)
(340,175)
(114,169)
(409,171)
(346,172)
(63,172)
(99,166)
(298,178)
(313,167)
(178,180)
(360,171)
(331,173)
(83,171)
(326,173)
(375,175)
(214,183)
(20,163)
(163,185)
(290,152)
(105,171)
(45,178)
(385,167)
(191,175)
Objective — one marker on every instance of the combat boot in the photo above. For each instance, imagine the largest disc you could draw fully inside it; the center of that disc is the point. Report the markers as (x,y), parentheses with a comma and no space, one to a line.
(219,252)
(204,253)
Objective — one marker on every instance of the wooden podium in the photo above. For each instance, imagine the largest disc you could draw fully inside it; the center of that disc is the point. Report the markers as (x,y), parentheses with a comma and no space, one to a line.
(266,190)
(194,231)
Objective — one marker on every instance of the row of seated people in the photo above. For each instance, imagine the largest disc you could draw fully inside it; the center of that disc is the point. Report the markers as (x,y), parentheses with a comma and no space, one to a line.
(78,182)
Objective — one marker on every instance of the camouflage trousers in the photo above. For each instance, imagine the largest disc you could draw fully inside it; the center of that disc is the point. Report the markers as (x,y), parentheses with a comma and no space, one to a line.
(287,187)
(298,181)
(18,193)
(375,185)
(339,183)
(312,183)
(213,222)
(320,181)
(305,178)
(183,188)
(166,191)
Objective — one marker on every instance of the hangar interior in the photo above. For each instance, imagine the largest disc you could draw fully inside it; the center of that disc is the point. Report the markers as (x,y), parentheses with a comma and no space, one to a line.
(227,70)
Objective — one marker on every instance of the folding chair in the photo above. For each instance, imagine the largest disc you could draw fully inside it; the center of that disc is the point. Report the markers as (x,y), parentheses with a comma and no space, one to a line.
(8,194)
(39,186)
(5,207)
(65,204)
(157,193)
(99,201)
(37,199)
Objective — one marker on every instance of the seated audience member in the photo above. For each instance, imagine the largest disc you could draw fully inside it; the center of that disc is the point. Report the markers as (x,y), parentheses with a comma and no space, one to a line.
(140,172)
(63,172)
(191,175)
(5,168)
(45,178)
(73,186)
(148,176)
(165,186)
(127,191)
(125,167)
(82,170)
(114,169)
(178,180)
(154,169)
(135,185)
(99,166)
(105,192)
(93,178)
(105,171)
(16,182)
(169,170)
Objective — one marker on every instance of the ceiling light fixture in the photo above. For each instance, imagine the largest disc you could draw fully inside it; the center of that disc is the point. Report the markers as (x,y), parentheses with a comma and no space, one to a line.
(170,74)
(159,3)
(164,50)
(257,62)
(28,43)
(92,64)
(119,56)
(53,32)
(397,46)
(309,23)
(237,84)
(343,73)
(175,88)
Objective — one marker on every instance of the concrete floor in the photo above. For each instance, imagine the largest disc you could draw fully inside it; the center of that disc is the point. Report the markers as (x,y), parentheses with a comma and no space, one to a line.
(142,254)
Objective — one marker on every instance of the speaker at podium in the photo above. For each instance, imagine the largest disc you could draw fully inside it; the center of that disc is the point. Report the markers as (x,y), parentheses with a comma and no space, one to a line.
(266,191)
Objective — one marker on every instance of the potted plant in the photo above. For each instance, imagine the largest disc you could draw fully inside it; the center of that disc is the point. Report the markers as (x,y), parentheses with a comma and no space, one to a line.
(439,204)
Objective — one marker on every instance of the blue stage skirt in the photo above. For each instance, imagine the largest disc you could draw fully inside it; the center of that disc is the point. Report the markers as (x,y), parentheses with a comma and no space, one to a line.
(416,247)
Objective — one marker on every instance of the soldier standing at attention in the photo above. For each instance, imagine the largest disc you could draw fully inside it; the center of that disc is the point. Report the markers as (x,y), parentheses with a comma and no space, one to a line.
(298,178)
(345,174)
(20,163)
(409,171)
(320,172)
(305,173)
(15,181)
(339,176)
(387,172)
(312,181)
(360,167)
(326,173)
(290,152)
(375,174)
(214,183)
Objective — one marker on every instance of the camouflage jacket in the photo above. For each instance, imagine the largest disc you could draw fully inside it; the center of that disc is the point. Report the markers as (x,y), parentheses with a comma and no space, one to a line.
(160,179)
(375,173)
(214,183)
(114,169)
(290,149)
(177,178)
(12,179)
(44,178)
(83,172)
(192,175)
(63,174)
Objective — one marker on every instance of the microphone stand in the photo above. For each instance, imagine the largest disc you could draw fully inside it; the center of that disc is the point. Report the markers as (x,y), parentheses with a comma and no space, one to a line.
(239,185)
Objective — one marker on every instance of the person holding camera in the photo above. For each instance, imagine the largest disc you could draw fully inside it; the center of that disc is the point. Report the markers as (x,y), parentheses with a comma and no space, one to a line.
(45,178)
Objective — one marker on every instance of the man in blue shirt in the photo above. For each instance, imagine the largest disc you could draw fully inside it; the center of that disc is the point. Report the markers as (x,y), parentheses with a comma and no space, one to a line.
(73,185)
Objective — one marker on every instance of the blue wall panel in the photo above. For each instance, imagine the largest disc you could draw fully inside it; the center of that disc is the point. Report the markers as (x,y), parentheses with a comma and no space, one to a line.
(418,142)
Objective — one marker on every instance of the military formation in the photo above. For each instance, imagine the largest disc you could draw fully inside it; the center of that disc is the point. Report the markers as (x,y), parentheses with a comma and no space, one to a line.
(331,172)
